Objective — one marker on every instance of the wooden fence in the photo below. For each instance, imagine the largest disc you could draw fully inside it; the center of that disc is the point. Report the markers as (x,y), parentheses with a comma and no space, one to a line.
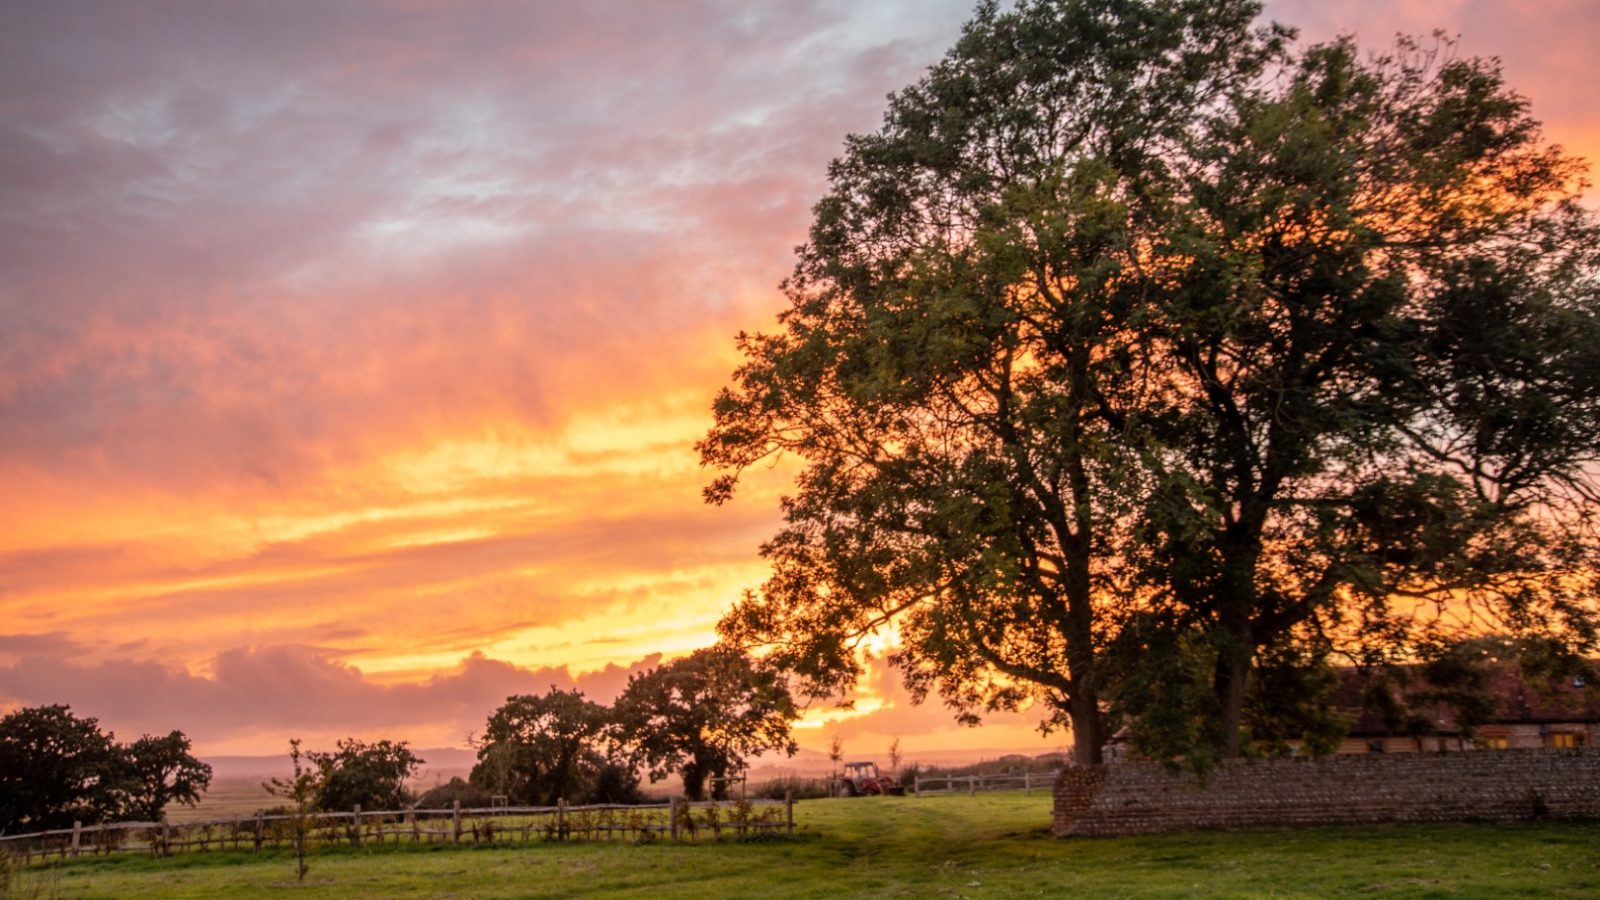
(678,820)
(971,784)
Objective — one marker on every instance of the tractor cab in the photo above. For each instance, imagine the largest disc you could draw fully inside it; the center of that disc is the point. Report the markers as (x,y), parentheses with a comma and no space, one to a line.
(861,778)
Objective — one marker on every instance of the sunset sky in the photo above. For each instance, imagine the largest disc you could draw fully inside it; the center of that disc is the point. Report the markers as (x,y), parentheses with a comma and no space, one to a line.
(352,354)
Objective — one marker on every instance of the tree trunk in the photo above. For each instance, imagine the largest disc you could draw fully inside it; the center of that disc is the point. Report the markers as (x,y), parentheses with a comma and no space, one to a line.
(1088,741)
(1233,672)
(1236,603)
(694,782)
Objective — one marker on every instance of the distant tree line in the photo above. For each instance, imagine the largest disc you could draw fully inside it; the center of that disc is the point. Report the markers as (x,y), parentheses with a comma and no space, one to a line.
(57,768)
(698,717)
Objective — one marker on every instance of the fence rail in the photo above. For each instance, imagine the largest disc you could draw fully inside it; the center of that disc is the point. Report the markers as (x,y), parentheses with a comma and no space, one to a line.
(678,820)
(971,784)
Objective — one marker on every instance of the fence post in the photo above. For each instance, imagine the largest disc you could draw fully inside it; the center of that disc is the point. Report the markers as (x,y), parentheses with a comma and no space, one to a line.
(410,819)
(672,816)
(166,837)
(259,823)
(77,829)
(788,809)
(1027,782)
(561,818)
(972,785)
(355,832)
(455,818)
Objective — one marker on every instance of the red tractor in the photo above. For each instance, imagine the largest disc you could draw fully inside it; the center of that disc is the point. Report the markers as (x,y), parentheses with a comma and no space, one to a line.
(862,778)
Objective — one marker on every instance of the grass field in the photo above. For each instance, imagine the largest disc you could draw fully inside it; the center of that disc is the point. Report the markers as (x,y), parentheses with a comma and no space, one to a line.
(955,846)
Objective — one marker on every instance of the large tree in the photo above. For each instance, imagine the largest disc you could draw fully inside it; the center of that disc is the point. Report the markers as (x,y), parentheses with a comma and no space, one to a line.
(701,715)
(1141,346)
(57,768)
(1378,332)
(953,350)
(54,768)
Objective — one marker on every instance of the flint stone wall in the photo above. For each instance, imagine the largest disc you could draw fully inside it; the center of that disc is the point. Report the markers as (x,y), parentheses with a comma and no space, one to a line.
(1493,785)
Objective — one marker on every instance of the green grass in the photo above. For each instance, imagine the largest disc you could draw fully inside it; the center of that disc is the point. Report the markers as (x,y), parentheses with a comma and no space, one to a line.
(956,846)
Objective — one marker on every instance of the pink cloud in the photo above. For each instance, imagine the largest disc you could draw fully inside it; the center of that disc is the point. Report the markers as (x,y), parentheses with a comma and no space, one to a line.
(292,691)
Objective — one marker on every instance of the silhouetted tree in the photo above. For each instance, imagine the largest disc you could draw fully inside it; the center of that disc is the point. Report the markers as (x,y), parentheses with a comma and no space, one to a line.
(373,775)
(157,771)
(701,715)
(1141,346)
(56,768)
(541,749)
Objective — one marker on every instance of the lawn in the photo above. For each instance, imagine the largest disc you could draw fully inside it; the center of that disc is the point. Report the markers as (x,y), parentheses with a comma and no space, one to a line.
(954,846)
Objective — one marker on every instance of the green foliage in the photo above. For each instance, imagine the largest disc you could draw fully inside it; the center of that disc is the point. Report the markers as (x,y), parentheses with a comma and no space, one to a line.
(372,775)
(701,715)
(56,768)
(301,789)
(1143,362)
(367,774)
(956,359)
(160,771)
(1378,284)
(538,750)
(1291,705)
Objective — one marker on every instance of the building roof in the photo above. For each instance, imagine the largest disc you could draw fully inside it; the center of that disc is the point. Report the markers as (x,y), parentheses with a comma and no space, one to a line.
(1517,699)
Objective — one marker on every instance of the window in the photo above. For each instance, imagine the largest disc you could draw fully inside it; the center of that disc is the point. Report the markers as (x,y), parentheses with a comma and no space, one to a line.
(1494,743)
(1566,739)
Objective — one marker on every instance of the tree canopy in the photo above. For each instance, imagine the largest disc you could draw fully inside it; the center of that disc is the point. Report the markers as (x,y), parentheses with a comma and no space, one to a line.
(158,771)
(701,715)
(370,774)
(541,749)
(1146,355)
(57,768)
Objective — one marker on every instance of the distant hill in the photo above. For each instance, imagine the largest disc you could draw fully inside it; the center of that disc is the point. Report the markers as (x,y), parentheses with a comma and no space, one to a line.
(443,763)
(453,760)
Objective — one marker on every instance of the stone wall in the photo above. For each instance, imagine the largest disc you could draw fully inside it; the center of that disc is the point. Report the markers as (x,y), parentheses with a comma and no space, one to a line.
(1496,785)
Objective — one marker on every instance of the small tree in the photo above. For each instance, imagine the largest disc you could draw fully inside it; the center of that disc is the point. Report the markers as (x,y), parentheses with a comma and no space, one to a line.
(372,775)
(157,771)
(835,755)
(894,756)
(702,715)
(301,790)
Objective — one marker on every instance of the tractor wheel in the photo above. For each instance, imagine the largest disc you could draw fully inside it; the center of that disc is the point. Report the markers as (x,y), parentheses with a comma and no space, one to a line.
(848,789)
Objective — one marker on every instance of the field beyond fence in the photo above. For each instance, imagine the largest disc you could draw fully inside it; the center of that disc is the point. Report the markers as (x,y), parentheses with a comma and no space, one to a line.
(971,784)
(991,844)
(678,820)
